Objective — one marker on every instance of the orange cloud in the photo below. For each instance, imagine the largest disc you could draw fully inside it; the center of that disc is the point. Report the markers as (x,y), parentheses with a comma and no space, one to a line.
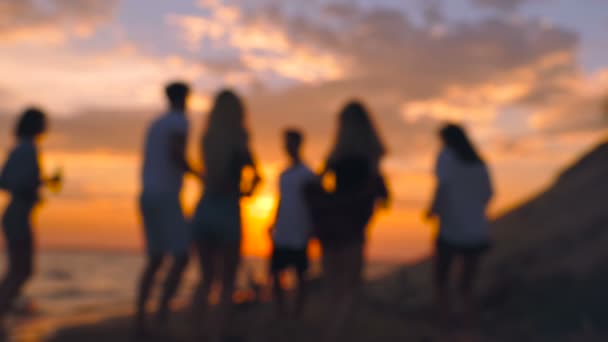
(51,21)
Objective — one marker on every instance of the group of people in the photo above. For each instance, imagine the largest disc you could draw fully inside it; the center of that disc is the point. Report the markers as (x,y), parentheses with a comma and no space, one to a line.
(336,212)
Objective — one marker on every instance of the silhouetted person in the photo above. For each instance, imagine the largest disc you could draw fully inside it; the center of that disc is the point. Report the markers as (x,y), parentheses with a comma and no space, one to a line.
(293,224)
(341,217)
(21,177)
(217,219)
(462,195)
(166,230)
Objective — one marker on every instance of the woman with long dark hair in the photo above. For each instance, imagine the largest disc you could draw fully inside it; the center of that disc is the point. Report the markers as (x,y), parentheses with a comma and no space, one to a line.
(461,199)
(21,177)
(217,220)
(342,215)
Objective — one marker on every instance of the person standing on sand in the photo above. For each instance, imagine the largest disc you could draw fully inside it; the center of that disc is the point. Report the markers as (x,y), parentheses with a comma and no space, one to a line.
(217,219)
(293,225)
(342,215)
(460,202)
(21,178)
(165,228)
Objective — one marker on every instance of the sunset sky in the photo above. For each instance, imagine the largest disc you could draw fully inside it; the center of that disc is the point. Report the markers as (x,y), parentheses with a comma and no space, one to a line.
(526,77)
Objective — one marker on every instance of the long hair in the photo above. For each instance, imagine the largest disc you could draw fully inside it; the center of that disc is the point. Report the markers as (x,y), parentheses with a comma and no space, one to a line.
(455,138)
(225,131)
(357,136)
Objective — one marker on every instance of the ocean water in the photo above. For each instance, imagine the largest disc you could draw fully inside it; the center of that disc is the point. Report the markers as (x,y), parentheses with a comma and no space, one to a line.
(70,287)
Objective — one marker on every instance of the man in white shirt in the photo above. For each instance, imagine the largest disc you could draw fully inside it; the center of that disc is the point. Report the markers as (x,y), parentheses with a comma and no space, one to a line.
(165,227)
(293,224)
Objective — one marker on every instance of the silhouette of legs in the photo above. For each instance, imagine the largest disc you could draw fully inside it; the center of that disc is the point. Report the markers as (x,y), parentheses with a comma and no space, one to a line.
(443,264)
(208,262)
(302,293)
(231,255)
(469,274)
(342,269)
(146,283)
(20,270)
(279,296)
(282,261)
(218,263)
(171,286)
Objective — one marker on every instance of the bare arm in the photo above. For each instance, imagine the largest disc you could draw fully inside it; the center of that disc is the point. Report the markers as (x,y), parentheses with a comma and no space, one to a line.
(256,180)
(178,153)
(384,195)
(433,210)
(276,217)
(442,173)
(2,181)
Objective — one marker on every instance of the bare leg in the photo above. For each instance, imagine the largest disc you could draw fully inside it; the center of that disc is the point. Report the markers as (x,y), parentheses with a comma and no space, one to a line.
(469,275)
(208,260)
(302,293)
(442,264)
(170,288)
(278,295)
(20,270)
(350,261)
(145,287)
(231,257)
(331,279)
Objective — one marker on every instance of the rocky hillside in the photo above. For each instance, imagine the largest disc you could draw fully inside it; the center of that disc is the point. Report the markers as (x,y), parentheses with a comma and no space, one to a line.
(547,277)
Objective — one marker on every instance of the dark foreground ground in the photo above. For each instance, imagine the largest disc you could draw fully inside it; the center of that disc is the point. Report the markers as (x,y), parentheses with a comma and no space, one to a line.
(545,280)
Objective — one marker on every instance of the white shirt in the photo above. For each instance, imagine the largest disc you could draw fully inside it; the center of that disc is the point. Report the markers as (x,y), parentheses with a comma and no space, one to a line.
(464,192)
(293,224)
(160,172)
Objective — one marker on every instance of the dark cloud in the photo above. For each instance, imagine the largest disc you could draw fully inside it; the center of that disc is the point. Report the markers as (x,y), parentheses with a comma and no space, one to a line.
(506,5)
(388,61)
(224,66)
(581,114)
(386,49)
(433,12)
(340,11)
(550,86)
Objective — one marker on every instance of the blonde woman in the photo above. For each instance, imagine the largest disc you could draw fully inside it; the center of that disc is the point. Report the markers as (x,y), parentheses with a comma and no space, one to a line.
(217,220)
(342,215)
